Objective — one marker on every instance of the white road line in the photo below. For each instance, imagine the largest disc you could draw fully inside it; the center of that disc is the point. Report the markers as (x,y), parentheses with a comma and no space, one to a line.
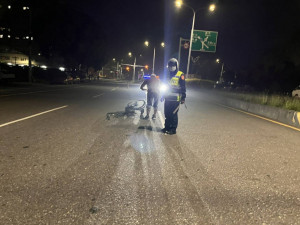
(114,89)
(28,117)
(161,118)
(96,96)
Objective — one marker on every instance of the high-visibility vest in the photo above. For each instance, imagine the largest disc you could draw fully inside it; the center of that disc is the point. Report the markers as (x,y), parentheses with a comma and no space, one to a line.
(174,94)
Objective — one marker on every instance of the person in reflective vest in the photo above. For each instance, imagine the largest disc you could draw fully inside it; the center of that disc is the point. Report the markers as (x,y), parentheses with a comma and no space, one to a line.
(173,97)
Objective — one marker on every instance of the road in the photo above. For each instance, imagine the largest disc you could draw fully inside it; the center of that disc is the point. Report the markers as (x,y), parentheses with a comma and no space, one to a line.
(62,162)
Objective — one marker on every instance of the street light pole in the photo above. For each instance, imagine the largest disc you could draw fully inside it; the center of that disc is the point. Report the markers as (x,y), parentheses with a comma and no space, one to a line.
(179,52)
(133,75)
(153,60)
(178,4)
(221,75)
(30,46)
(191,43)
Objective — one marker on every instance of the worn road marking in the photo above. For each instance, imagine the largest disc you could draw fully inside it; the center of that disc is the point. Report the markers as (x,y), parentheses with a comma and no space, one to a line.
(260,117)
(96,96)
(114,89)
(35,115)
(161,118)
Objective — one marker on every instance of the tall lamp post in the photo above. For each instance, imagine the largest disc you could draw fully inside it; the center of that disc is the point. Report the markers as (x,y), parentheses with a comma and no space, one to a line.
(153,63)
(221,80)
(134,65)
(25,8)
(178,4)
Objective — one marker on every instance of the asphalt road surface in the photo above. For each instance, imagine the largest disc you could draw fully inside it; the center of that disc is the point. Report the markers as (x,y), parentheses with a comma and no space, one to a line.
(63,162)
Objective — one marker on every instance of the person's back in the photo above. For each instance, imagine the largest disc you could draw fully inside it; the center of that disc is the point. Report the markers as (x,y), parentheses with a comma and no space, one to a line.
(153,84)
(153,94)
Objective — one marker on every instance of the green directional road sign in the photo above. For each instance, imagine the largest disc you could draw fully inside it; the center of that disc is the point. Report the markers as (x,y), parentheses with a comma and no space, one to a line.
(204,41)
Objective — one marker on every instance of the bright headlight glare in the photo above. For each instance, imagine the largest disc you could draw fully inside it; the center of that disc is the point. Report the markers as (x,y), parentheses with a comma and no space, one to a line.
(163,87)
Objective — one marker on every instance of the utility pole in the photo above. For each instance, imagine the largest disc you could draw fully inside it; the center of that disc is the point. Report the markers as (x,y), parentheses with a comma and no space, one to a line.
(30,48)
(221,75)
(133,75)
(179,52)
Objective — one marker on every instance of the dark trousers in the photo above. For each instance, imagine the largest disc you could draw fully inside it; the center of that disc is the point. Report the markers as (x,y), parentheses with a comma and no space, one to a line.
(171,121)
(152,99)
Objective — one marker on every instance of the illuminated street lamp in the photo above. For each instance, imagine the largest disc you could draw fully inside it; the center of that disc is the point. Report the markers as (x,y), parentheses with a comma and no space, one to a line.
(178,4)
(147,44)
(129,54)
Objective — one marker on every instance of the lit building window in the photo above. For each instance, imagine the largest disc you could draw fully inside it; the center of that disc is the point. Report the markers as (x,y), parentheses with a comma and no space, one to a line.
(9,7)
(1,35)
(8,36)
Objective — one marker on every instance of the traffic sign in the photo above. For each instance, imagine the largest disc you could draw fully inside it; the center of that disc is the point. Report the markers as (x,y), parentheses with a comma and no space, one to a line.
(204,41)
(186,45)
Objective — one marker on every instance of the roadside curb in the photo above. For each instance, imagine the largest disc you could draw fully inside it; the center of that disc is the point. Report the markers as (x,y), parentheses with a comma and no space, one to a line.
(289,117)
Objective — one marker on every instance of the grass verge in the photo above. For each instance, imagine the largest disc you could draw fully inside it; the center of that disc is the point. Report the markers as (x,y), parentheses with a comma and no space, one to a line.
(280,101)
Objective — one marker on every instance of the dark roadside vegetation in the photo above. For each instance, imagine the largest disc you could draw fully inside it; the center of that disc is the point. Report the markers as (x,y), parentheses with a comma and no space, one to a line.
(247,93)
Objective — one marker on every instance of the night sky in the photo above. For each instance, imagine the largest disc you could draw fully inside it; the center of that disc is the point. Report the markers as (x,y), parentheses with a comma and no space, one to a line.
(94,31)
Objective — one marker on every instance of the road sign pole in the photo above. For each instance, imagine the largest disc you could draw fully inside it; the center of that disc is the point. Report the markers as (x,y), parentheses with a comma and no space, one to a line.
(191,44)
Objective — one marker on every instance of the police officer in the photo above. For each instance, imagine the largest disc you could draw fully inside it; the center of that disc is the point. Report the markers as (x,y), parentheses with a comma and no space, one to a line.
(152,94)
(173,97)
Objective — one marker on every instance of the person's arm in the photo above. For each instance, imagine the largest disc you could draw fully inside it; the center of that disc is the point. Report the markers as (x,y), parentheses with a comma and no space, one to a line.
(182,88)
(143,85)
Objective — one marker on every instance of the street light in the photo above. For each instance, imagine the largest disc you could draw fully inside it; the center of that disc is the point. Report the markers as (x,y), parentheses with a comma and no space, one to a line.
(178,4)
(147,44)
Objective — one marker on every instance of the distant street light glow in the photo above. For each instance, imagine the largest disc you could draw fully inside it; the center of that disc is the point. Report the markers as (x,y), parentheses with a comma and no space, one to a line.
(162,44)
(178,3)
(147,43)
(130,54)
(44,67)
(62,69)
(212,7)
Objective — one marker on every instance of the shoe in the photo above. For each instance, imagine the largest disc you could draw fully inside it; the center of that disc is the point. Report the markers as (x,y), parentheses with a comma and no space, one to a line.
(146,117)
(154,117)
(171,132)
(164,130)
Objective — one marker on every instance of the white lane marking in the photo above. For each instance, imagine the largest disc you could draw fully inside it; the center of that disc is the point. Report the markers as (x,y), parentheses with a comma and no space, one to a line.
(161,118)
(114,89)
(28,117)
(96,96)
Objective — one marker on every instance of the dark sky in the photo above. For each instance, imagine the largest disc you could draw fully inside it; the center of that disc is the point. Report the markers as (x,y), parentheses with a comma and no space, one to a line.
(247,29)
